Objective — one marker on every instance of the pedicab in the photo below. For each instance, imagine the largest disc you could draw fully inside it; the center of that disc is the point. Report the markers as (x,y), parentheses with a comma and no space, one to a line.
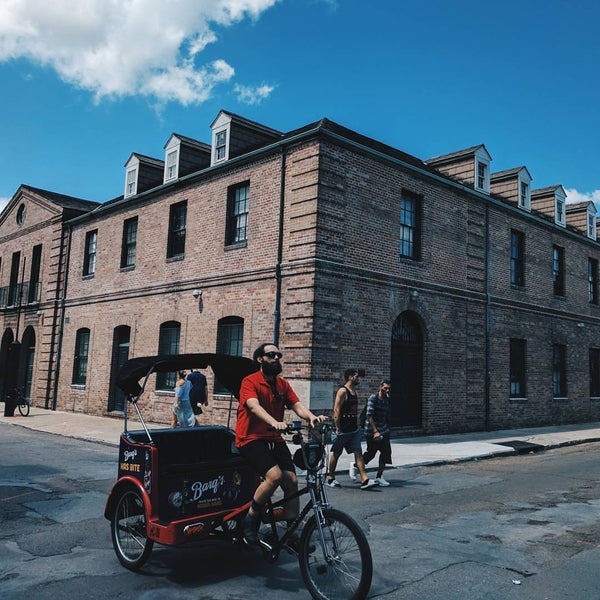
(178,485)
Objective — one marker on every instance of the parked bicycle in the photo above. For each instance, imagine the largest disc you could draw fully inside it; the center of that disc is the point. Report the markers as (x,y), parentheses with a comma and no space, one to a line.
(188,484)
(21,401)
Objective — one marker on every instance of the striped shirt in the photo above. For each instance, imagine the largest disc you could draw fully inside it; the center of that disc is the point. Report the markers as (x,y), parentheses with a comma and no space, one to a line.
(378,407)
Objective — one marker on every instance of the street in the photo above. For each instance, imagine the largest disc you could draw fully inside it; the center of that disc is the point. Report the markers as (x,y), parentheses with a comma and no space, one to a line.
(518,527)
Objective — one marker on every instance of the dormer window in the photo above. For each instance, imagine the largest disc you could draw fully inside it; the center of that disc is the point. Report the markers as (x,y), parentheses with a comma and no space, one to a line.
(171,165)
(482,170)
(221,145)
(592,226)
(481,175)
(131,183)
(560,210)
(524,183)
(524,195)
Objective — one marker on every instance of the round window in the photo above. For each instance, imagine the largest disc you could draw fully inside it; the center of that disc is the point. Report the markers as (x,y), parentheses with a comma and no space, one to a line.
(21,214)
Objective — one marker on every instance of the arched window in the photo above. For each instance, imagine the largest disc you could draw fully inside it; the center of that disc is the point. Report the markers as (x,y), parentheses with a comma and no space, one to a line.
(80,360)
(168,343)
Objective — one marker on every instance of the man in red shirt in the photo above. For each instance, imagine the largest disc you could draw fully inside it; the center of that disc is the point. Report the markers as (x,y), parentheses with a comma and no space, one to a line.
(263,399)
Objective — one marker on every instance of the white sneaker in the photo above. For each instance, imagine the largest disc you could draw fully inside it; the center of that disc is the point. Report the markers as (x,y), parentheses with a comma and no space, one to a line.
(382,482)
(353,472)
(368,484)
(333,483)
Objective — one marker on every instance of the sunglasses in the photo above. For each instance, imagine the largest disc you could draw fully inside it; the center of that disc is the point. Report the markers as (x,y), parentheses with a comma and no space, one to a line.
(273,355)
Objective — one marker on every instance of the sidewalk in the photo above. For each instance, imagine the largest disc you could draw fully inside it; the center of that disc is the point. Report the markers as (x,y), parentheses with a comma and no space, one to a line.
(406,452)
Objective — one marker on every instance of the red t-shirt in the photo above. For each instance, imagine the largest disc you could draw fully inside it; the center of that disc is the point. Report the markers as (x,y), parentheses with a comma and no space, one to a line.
(250,427)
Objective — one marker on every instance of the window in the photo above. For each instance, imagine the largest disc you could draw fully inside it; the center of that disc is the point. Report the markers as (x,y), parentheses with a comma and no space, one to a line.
(560,211)
(558,270)
(14,289)
(594,372)
(517,257)
(221,145)
(176,241)
(230,340)
(171,166)
(238,200)
(168,343)
(482,176)
(592,226)
(524,195)
(593,280)
(410,226)
(559,370)
(131,186)
(21,213)
(518,368)
(33,294)
(129,243)
(80,361)
(89,258)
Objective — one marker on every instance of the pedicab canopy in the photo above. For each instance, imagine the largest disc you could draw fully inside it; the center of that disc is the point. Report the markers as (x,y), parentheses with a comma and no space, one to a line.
(229,370)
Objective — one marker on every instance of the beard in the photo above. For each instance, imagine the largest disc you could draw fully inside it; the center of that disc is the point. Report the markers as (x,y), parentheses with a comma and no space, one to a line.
(271,368)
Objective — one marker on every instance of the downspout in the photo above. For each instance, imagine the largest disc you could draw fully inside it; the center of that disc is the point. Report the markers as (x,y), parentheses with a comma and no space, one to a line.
(277,312)
(55,319)
(488,260)
(62,320)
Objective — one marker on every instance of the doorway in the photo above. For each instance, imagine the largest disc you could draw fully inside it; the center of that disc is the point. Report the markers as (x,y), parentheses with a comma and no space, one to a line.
(120,355)
(406,371)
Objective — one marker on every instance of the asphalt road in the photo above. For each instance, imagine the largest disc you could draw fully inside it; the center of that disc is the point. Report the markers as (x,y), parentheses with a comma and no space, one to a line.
(519,527)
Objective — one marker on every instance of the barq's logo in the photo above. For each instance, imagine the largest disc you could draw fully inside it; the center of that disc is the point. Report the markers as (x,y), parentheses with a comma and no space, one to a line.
(129,455)
(201,487)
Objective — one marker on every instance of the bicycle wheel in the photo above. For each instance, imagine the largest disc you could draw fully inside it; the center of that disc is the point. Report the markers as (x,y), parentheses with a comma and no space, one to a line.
(345,570)
(23,407)
(128,531)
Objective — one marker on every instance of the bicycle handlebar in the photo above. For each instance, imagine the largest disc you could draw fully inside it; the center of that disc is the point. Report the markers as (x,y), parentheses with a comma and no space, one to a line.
(296,426)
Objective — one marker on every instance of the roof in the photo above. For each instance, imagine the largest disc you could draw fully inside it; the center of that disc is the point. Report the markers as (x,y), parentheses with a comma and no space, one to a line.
(148,160)
(508,173)
(454,155)
(190,142)
(64,200)
(248,123)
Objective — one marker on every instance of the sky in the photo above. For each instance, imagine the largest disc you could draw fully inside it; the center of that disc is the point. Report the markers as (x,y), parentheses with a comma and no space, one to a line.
(84,84)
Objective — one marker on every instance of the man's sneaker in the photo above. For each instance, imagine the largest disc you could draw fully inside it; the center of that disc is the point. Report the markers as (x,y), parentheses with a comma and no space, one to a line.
(368,484)
(382,482)
(333,483)
(353,472)
(251,527)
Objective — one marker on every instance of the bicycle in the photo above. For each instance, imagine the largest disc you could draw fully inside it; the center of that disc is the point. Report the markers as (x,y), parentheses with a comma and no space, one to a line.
(333,551)
(177,486)
(22,402)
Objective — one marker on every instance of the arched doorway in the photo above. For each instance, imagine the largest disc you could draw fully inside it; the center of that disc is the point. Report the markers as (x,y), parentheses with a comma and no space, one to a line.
(406,370)
(7,340)
(28,361)
(120,354)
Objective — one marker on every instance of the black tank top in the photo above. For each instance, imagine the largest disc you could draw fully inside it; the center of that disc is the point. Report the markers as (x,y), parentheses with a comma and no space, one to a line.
(349,412)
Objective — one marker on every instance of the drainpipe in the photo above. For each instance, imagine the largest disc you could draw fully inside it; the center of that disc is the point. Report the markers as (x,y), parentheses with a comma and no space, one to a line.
(277,312)
(62,321)
(488,260)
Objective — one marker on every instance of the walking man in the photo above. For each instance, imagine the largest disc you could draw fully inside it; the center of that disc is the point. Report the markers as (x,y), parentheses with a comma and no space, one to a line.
(377,431)
(348,433)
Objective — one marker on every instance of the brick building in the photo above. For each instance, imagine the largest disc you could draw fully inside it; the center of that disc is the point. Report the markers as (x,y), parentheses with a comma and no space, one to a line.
(475,293)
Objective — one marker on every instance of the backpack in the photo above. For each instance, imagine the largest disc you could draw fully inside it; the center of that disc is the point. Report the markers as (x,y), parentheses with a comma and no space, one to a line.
(362,420)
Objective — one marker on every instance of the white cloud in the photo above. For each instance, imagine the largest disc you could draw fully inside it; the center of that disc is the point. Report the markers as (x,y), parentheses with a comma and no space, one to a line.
(575,196)
(3,203)
(117,48)
(252,95)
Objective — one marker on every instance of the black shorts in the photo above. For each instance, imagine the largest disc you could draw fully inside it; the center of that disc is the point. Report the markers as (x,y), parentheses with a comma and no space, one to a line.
(263,455)
(196,409)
